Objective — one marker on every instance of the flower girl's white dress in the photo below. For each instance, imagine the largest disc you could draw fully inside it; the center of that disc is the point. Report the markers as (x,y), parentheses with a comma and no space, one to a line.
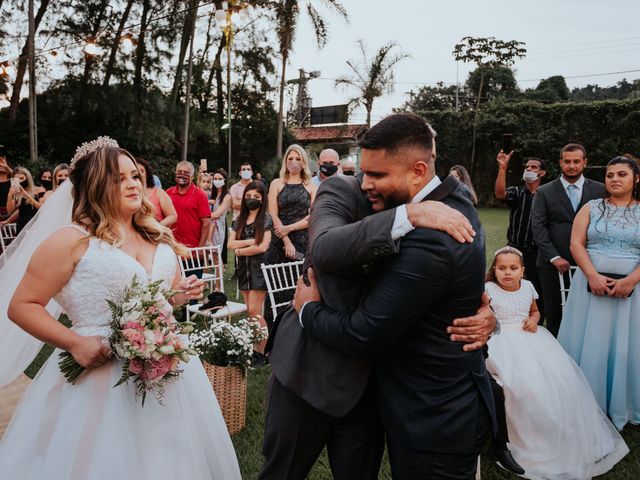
(91,430)
(557,431)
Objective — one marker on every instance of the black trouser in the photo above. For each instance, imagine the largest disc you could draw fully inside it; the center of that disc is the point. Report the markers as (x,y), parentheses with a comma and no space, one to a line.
(296,433)
(410,463)
(529,257)
(551,292)
(502,434)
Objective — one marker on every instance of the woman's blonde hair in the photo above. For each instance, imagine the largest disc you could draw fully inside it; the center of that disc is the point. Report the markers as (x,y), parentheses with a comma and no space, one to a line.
(62,166)
(30,186)
(305,173)
(96,201)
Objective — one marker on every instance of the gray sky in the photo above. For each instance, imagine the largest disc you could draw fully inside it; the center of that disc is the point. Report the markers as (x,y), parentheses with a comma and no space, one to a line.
(563,37)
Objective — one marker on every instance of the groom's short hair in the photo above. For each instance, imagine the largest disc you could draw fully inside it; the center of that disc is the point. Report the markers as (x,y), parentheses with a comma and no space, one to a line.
(400,130)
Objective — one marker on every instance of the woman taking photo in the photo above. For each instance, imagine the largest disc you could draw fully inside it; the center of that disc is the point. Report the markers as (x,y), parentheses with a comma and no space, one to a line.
(23,198)
(163,208)
(601,323)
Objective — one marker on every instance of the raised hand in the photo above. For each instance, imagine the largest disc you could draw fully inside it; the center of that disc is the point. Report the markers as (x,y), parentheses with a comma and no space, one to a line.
(503,159)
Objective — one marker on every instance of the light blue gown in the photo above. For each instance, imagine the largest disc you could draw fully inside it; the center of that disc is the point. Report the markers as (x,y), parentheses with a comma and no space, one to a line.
(602,333)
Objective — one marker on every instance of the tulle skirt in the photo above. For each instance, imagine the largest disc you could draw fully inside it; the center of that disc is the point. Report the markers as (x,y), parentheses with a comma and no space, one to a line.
(602,335)
(556,429)
(91,430)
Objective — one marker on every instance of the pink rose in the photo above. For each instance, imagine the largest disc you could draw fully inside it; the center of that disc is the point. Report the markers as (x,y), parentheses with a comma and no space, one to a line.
(136,366)
(152,310)
(135,338)
(157,368)
(134,326)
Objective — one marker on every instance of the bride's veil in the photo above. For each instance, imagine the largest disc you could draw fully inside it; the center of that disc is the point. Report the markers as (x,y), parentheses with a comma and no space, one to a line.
(17,347)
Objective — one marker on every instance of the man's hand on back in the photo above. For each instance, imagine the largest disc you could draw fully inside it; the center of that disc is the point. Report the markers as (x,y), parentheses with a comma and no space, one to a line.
(475,330)
(438,216)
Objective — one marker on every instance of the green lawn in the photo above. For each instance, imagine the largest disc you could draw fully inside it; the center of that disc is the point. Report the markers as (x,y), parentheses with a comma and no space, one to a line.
(248,443)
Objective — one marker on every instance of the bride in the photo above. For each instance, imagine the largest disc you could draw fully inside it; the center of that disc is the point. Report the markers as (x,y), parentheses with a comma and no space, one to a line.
(91,430)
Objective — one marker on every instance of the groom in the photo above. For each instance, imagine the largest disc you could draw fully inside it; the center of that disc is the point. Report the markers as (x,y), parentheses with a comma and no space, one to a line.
(434,397)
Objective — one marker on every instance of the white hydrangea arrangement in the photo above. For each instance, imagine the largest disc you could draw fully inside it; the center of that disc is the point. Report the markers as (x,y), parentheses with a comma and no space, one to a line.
(228,344)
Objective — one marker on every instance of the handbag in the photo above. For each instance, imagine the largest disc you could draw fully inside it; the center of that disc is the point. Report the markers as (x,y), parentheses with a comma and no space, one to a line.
(214,300)
(615,276)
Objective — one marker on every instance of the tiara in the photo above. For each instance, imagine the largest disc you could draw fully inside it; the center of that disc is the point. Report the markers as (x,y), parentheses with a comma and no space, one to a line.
(507,249)
(90,147)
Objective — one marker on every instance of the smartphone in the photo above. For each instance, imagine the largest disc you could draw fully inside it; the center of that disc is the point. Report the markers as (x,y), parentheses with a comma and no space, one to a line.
(203,164)
(15,183)
(506,142)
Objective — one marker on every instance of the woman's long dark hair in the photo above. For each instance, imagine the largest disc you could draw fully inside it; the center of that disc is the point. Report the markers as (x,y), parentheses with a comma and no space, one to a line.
(225,188)
(635,193)
(149,183)
(244,212)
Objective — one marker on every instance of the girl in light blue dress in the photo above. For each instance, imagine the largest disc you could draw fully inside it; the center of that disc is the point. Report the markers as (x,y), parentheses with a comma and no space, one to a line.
(601,327)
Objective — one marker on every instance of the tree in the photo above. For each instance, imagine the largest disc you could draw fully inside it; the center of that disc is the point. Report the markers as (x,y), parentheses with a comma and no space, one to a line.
(487,53)
(287,13)
(373,77)
(492,82)
(116,42)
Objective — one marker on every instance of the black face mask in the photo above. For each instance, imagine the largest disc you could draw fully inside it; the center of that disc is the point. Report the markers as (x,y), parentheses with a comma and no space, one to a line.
(252,203)
(24,184)
(350,173)
(328,169)
(47,184)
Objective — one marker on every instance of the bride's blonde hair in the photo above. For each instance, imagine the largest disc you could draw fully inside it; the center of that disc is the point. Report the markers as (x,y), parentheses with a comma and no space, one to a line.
(96,200)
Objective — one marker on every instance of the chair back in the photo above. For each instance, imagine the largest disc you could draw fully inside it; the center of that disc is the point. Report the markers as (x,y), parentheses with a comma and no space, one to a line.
(7,233)
(281,277)
(206,260)
(565,286)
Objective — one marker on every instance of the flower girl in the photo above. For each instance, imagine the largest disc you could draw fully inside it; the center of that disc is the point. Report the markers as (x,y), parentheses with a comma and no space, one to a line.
(556,428)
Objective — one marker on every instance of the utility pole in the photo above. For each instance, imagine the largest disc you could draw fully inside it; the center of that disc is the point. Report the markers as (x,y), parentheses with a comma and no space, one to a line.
(33,121)
(187,100)
(457,83)
(303,103)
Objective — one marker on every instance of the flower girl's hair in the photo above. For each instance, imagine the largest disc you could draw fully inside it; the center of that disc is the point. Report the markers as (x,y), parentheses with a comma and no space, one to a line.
(491,274)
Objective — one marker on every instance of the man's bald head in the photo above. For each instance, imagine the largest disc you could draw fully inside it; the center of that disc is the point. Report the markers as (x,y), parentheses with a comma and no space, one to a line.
(328,155)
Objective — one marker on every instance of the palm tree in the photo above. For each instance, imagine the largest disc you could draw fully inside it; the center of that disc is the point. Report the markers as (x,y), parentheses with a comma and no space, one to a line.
(287,14)
(373,78)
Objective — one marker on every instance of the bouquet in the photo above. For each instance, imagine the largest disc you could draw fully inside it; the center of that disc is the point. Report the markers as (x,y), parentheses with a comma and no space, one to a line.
(228,344)
(146,336)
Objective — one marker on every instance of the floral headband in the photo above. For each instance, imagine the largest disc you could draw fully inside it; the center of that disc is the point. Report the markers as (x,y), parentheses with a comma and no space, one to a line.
(507,249)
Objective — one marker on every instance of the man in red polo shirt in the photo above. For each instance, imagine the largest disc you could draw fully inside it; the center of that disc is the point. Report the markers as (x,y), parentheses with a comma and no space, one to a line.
(192,207)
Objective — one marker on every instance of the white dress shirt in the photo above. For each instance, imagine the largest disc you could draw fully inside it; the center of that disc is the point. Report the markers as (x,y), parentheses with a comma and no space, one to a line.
(565,184)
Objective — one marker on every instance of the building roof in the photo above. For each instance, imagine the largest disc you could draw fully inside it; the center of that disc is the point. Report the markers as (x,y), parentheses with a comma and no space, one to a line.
(330,133)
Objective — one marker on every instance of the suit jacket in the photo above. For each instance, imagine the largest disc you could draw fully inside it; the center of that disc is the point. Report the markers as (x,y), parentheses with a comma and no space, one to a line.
(552,219)
(343,236)
(429,390)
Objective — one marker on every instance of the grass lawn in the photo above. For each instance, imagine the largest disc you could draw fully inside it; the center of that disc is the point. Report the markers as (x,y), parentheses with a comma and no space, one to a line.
(248,443)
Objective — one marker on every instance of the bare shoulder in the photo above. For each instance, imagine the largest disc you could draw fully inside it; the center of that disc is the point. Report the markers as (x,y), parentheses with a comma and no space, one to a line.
(65,243)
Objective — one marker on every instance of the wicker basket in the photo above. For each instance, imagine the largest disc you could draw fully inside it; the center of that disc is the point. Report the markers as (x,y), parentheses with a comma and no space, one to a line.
(230,385)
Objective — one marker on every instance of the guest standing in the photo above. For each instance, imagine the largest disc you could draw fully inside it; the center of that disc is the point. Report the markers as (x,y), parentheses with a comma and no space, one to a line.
(237,189)
(519,199)
(328,162)
(164,210)
(460,173)
(554,208)
(5,185)
(60,174)
(601,330)
(23,198)
(220,203)
(192,207)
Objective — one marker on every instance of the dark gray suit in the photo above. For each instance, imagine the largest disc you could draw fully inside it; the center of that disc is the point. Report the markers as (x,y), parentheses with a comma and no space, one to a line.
(551,222)
(317,396)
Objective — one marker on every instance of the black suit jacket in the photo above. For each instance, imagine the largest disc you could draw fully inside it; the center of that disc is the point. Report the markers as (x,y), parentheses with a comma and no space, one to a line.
(429,389)
(343,236)
(552,219)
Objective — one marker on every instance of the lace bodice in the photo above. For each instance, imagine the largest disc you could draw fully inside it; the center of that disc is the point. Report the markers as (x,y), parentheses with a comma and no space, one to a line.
(511,308)
(101,274)
(614,231)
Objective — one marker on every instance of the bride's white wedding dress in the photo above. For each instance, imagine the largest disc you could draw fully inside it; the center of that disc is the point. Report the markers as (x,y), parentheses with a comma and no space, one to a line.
(91,430)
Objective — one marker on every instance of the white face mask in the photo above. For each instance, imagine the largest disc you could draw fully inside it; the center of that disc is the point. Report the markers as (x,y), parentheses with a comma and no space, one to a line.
(529,177)
(246,174)
(218,183)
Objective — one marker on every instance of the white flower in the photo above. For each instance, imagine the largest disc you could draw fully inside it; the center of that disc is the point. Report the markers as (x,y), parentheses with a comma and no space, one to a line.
(166,349)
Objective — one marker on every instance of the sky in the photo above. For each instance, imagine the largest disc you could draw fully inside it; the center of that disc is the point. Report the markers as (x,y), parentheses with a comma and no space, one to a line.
(563,37)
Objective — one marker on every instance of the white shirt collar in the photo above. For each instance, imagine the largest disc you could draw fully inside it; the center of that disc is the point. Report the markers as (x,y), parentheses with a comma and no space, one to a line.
(578,183)
(426,190)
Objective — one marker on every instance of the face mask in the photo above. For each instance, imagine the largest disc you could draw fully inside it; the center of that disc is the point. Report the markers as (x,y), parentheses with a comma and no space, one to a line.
(328,169)
(349,172)
(47,184)
(218,183)
(24,184)
(252,203)
(529,177)
(246,174)
(183,180)
(294,167)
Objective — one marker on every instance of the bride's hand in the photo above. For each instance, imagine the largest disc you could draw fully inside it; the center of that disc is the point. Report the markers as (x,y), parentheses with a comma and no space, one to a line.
(90,352)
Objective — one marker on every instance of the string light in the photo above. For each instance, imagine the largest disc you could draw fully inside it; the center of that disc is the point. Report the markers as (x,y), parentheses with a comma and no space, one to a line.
(91,48)
(6,69)
(128,43)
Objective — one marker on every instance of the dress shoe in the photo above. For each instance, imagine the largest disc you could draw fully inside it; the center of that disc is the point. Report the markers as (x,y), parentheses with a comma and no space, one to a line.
(506,461)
